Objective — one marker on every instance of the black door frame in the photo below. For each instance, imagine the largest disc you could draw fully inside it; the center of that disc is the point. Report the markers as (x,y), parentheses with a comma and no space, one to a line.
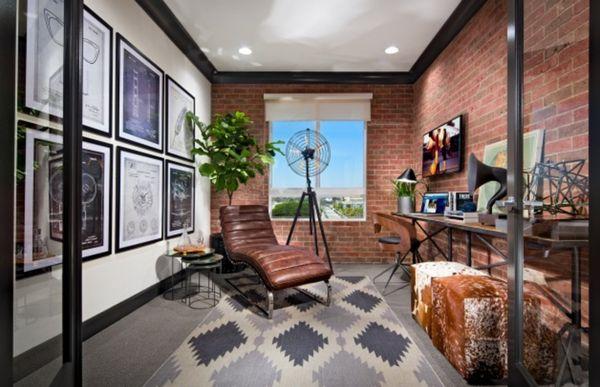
(517,372)
(71,371)
(8,40)
(594,157)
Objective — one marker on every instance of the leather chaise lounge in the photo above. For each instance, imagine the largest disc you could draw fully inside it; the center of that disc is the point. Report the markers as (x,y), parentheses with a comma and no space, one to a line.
(249,239)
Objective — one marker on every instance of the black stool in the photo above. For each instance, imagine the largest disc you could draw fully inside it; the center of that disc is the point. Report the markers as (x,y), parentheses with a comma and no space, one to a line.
(394,240)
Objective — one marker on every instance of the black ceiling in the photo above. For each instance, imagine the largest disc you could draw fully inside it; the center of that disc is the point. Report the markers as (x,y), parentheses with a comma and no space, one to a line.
(165,19)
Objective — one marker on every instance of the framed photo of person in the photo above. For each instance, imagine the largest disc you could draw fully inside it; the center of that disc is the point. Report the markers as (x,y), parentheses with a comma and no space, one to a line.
(180,133)
(40,189)
(139,199)
(179,211)
(44,65)
(139,98)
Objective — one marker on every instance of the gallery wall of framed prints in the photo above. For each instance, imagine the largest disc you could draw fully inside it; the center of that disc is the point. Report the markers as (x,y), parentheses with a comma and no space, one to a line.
(139,198)
(42,77)
(39,190)
(179,131)
(140,87)
(155,173)
(179,210)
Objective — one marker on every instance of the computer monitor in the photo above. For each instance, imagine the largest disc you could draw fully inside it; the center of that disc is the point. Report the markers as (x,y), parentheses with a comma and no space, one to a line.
(434,203)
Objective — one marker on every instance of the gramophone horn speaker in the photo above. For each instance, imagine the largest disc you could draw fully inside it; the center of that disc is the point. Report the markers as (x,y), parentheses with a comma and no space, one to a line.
(480,173)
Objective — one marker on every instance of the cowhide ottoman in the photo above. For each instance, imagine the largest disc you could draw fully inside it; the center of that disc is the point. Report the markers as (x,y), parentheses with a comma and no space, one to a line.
(421,276)
(470,322)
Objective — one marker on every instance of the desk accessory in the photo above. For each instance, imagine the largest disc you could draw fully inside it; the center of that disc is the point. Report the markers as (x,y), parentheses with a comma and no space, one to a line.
(479,174)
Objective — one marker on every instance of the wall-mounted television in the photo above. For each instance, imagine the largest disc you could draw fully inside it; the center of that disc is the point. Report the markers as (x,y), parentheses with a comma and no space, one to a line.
(442,148)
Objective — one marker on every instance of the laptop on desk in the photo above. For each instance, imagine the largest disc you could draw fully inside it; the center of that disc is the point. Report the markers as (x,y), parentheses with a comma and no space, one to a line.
(434,204)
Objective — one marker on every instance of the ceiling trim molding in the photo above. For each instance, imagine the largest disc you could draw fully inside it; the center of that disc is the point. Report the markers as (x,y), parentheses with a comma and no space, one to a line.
(168,22)
(350,77)
(465,10)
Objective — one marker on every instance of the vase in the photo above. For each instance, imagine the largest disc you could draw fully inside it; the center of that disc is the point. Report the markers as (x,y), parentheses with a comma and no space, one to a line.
(406,205)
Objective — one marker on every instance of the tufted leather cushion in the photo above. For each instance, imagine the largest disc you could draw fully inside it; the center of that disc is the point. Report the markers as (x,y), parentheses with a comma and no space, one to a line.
(249,238)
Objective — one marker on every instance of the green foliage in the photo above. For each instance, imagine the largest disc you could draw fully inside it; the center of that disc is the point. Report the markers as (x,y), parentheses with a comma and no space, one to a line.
(287,209)
(234,155)
(402,189)
(348,212)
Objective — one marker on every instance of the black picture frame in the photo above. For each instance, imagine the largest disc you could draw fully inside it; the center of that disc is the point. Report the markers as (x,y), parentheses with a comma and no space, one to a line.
(129,138)
(107,193)
(172,234)
(119,191)
(22,105)
(168,150)
(110,78)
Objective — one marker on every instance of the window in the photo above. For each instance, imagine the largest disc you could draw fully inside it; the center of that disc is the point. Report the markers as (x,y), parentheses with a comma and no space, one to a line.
(340,188)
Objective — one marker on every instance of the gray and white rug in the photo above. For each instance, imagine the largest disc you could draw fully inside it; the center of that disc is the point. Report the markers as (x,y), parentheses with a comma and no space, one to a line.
(357,341)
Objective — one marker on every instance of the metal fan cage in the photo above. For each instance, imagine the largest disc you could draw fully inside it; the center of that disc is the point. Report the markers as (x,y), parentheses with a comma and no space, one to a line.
(308,148)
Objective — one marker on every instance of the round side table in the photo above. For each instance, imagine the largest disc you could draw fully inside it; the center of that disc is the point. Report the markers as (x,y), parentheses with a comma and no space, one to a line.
(180,292)
(198,295)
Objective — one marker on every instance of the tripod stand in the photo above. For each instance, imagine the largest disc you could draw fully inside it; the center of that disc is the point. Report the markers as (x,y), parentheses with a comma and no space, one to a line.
(314,217)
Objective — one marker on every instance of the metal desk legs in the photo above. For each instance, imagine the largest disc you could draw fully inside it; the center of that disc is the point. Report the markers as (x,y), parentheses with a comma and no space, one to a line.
(572,348)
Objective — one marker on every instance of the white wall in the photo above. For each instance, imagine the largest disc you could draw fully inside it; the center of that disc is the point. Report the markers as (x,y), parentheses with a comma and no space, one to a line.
(110,280)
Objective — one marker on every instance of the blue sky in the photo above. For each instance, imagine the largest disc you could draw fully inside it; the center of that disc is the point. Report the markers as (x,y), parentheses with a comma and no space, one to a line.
(346,139)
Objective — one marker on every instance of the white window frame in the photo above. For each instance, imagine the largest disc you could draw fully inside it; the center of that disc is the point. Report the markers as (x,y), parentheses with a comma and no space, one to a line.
(297,192)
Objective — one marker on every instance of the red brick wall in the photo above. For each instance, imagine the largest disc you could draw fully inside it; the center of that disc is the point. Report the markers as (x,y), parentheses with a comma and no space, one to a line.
(469,77)
(389,151)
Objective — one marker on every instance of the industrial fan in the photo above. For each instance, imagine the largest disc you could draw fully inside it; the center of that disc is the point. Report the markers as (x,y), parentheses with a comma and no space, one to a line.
(308,154)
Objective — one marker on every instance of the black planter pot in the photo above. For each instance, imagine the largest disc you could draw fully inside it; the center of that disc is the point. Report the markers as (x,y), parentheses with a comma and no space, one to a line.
(216,242)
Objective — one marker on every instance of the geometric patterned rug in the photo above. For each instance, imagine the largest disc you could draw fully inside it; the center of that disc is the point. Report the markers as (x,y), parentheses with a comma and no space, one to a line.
(357,341)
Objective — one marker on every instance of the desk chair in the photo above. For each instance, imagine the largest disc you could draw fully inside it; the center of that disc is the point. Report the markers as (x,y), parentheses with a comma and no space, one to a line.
(402,243)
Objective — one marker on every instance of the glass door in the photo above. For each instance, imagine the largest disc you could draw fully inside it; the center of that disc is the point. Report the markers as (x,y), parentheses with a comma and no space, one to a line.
(42,146)
(548,192)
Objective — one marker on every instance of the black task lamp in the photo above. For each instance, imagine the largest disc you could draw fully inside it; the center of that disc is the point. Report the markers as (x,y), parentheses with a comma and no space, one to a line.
(479,174)
(408,176)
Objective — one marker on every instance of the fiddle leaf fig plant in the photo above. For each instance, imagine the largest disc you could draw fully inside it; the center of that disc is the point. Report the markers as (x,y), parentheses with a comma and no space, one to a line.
(234,156)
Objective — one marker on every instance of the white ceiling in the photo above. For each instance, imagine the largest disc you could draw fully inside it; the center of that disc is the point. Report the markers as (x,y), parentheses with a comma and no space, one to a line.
(312,35)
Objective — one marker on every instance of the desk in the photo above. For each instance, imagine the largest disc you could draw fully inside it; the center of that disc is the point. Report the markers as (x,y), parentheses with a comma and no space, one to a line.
(540,239)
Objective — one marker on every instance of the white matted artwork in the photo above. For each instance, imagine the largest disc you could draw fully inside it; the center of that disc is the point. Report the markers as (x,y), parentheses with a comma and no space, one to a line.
(496,155)
(44,64)
(139,97)
(180,132)
(139,198)
(43,199)
(180,199)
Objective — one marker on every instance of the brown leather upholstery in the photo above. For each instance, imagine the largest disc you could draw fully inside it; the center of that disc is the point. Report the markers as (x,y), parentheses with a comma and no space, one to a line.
(249,238)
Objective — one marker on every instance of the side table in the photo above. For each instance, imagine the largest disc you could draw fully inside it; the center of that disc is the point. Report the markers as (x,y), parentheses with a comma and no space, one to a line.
(180,292)
(201,296)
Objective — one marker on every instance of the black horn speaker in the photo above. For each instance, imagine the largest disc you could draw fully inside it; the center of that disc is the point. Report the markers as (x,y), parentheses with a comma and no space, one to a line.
(480,173)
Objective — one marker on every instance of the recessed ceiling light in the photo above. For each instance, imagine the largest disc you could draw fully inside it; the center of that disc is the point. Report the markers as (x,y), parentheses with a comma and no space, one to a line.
(245,50)
(391,50)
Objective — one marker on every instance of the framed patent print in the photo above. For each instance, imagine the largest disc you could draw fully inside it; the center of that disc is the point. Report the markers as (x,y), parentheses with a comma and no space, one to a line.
(40,192)
(180,198)
(180,133)
(139,199)
(44,65)
(139,98)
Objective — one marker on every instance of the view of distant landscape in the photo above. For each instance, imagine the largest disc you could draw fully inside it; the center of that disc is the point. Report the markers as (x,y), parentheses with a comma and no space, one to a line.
(340,187)
(332,208)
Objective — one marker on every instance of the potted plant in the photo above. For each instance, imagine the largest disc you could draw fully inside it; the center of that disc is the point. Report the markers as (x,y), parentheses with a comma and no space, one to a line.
(234,156)
(405,189)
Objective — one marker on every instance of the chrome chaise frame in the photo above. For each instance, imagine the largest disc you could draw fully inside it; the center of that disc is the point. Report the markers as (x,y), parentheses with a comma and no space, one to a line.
(270,299)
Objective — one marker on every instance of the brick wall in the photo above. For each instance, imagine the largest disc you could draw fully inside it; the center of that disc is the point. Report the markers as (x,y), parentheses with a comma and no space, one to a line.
(389,151)
(469,77)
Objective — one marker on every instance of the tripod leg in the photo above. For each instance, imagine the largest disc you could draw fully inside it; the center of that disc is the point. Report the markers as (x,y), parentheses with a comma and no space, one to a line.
(289,238)
(312,224)
(323,234)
